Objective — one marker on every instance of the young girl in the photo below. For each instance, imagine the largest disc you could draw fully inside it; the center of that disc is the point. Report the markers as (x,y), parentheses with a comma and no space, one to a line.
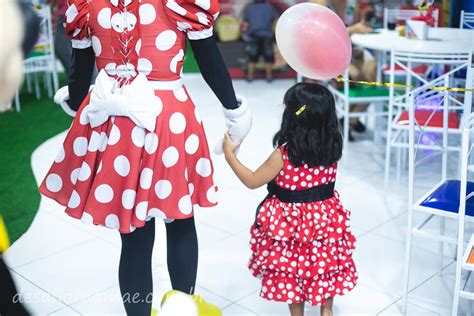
(301,242)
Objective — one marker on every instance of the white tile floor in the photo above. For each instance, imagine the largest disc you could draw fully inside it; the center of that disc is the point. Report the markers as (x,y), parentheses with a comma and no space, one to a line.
(66,268)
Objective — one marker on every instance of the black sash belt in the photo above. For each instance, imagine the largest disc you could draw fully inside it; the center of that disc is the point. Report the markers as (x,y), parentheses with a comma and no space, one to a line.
(314,194)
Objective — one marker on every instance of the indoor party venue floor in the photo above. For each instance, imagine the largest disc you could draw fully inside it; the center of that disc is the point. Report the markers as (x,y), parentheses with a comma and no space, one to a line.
(64,267)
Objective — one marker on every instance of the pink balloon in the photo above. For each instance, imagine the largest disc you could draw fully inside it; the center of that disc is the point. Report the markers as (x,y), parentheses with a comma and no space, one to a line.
(314,41)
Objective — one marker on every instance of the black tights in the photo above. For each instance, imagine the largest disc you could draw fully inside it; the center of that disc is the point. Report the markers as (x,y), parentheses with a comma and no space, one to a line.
(135,275)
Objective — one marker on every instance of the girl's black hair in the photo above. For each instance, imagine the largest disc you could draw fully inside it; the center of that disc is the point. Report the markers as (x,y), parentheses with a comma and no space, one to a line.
(312,137)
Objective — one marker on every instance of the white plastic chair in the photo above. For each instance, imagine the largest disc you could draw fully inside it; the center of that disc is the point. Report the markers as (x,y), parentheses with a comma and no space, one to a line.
(393,15)
(397,127)
(355,95)
(43,59)
(430,204)
(467,20)
(465,193)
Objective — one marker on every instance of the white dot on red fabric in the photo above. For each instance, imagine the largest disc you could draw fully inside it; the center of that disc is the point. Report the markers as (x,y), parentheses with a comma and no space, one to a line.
(191,188)
(75,175)
(184,205)
(204,4)
(103,142)
(151,143)
(147,14)
(118,23)
(146,178)
(85,172)
(203,19)
(80,146)
(163,189)
(144,66)
(114,135)
(112,221)
(183,26)
(104,193)
(54,183)
(100,167)
(156,212)
(175,60)
(172,5)
(87,218)
(192,144)
(177,123)
(211,195)
(83,118)
(128,199)
(180,94)
(71,13)
(130,19)
(94,142)
(122,165)
(104,17)
(138,136)
(170,156)
(141,210)
(138,46)
(76,32)
(203,167)
(60,156)
(96,45)
(186,174)
(165,40)
(197,115)
(74,200)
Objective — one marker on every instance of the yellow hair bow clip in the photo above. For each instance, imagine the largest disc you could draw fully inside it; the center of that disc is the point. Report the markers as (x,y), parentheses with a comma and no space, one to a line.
(300,110)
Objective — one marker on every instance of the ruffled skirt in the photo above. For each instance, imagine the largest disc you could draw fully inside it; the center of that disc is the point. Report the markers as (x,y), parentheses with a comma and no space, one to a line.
(119,175)
(302,252)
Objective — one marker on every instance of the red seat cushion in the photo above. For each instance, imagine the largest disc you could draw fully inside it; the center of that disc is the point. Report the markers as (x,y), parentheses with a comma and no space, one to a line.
(420,70)
(436,120)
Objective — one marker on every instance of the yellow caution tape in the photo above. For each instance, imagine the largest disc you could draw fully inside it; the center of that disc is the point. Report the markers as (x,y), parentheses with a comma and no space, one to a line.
(4,241)
(399,85)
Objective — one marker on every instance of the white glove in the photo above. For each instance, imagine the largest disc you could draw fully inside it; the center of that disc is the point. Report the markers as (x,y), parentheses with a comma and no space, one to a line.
(238,121)
(61,97)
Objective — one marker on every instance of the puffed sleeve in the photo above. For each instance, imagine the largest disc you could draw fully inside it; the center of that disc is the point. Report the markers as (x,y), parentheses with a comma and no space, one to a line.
(76,23)
(195,17)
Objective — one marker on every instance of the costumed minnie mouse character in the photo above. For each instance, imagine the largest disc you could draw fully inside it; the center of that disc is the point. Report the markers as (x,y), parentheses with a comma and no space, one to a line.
(137,148)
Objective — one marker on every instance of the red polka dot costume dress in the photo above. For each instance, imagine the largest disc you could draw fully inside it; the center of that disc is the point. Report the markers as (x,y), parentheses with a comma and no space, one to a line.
(302,252)
(118,166)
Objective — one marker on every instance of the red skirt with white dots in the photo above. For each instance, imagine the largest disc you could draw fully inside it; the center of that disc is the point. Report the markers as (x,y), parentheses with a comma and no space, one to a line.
(302,252)
(119,175)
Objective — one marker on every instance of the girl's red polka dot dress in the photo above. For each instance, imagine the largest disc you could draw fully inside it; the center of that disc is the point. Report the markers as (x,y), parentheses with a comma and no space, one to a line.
(119,174)
(302,252)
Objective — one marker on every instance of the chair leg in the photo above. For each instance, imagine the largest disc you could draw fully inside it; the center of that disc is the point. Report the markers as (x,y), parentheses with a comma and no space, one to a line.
(37,87)
(406,276)
(442,224)
(17,101)
(28,83)
(388,152)
(399,164)
(346,123)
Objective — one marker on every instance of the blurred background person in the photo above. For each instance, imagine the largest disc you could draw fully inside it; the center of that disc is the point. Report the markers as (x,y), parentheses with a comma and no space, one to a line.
(363,66)
(258,25)
(62,44)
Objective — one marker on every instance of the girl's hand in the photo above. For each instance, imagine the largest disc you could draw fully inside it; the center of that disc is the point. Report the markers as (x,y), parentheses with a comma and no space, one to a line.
(230,146)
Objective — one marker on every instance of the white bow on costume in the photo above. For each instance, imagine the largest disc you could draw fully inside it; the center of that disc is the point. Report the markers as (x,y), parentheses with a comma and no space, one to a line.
(136,100)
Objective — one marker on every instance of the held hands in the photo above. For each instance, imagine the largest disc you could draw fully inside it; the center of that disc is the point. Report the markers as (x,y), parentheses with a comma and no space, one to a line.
(238,121)
(230,146)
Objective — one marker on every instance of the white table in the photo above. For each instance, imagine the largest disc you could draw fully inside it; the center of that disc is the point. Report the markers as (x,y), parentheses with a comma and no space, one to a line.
(440,40)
